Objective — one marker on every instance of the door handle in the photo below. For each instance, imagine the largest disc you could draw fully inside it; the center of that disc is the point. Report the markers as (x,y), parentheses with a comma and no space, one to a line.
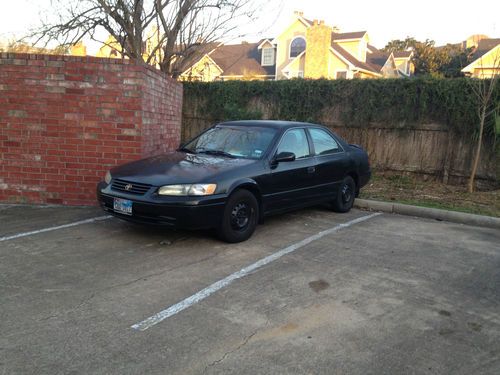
(311,169)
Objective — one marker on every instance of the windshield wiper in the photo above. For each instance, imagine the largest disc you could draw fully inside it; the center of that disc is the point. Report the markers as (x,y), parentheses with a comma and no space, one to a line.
(217,152)
(185,149)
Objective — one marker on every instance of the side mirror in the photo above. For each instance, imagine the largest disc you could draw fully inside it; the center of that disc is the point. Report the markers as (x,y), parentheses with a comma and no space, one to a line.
(284,157)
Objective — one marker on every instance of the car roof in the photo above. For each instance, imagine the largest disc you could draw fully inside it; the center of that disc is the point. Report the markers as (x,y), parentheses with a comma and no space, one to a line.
(269,123)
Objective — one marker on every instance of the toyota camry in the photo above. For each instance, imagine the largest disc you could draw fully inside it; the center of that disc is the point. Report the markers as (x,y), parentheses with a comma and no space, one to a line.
(234,174)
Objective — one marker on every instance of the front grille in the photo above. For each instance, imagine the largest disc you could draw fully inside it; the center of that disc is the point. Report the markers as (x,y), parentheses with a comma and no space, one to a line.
(130,187)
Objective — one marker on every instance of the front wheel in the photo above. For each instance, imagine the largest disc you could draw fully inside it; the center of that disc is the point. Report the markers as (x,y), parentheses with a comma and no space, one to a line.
(240,218)
(345,196)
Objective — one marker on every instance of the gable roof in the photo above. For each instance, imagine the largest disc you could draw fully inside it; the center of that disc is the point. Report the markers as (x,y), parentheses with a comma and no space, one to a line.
(264,41)
(193,55)
(402,54)
(306,20)
(377,59)
(347,36)
(481,51)
(354,61)
(484,46)
(240,59)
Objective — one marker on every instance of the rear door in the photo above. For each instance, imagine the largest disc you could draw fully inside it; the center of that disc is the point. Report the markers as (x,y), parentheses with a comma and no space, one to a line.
(332,163)
(291,182)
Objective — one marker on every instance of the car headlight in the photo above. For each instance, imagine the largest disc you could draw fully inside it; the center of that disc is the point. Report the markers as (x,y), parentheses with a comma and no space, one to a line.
(107,178)
(191,189)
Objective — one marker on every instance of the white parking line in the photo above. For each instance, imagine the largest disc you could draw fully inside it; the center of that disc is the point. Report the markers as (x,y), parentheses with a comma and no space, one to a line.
(94,219)
(204,293)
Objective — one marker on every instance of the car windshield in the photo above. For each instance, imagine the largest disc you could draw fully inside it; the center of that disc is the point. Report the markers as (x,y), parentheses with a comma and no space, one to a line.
(237,142)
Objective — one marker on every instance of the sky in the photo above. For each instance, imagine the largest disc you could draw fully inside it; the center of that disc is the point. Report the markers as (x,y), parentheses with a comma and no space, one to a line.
(445,21)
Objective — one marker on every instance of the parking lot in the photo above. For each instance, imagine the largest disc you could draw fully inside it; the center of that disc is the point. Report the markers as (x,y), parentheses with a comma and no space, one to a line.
(316,293)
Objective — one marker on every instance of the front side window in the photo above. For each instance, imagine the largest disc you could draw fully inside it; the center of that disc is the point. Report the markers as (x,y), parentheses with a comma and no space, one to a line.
(234,141)
(323,142)
(297,46)
(295,141)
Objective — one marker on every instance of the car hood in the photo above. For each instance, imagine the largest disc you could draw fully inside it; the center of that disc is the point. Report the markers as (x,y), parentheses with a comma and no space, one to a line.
(178,168)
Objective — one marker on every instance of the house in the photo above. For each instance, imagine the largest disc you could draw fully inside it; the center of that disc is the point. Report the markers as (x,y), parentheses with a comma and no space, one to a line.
(77,49)
(111,48)
(305,49)
(229,62)
(485,59)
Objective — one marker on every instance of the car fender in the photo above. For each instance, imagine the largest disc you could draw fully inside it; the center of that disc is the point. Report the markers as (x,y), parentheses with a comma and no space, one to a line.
(242,182)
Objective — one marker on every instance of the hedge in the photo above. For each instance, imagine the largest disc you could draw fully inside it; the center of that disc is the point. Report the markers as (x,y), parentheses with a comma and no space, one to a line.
(358,102)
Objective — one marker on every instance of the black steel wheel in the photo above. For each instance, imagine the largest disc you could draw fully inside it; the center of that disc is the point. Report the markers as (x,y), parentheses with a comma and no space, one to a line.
(240,218)
(345,195)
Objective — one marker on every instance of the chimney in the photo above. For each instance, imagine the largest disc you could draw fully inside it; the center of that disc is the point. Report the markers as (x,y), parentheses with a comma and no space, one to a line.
(318,43)
(298,13)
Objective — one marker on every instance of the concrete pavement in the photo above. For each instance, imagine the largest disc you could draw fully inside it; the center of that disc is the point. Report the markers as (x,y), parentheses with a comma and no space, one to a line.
(392,294)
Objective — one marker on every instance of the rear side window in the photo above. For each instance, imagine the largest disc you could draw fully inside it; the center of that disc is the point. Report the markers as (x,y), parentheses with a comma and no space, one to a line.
(295,141)
(323,142)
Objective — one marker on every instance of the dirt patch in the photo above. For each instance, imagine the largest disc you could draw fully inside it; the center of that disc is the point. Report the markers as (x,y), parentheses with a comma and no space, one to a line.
(415,191)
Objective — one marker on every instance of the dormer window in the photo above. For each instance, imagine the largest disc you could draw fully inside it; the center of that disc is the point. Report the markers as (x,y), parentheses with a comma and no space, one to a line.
(268,56)
(297,46)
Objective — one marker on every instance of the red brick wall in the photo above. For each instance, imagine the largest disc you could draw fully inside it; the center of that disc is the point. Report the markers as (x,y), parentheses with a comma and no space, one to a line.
(65,120)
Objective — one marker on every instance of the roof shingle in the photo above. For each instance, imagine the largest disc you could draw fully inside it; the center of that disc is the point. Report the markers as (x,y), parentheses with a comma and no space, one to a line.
(240,59)
(344,36)
(484,46)
(359,64)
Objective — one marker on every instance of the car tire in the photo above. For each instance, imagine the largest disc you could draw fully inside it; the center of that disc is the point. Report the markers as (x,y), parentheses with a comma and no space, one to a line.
(345,196)
(240,218)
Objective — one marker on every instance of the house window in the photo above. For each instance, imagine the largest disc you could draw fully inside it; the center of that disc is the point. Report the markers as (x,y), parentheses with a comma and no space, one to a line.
(342,75)
(267,56)
(297,46)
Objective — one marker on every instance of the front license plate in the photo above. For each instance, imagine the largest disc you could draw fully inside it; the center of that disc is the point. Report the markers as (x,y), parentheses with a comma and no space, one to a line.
(123,206)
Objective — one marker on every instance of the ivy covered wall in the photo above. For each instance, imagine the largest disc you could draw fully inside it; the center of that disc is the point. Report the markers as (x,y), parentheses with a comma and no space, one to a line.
(423,125)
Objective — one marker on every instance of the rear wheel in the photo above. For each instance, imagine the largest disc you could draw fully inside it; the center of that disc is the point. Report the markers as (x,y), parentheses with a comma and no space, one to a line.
(241,215)
(345,196)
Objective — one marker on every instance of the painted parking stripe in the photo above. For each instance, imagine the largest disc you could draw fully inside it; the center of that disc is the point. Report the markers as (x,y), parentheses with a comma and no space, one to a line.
(19,235)
(204,293)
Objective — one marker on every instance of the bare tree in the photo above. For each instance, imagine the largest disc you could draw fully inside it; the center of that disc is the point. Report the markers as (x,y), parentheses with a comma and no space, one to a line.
(484,87)
(180,26)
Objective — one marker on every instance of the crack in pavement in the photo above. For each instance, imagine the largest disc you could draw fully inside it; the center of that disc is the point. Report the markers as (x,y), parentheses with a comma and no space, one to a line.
(142,278)
(224,356)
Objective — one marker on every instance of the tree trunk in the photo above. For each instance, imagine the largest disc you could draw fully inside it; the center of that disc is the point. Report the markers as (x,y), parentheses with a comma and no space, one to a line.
(478,150)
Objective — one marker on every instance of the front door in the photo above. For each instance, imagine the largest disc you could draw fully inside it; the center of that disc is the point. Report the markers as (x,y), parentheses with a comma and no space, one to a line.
(291,181)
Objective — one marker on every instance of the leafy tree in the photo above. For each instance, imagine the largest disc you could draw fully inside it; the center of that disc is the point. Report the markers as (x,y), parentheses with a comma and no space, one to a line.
(459,58)
(444,61)
(400,45)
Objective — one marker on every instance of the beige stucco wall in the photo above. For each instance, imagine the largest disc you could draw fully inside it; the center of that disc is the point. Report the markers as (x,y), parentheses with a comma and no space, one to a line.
(488,65)
(297,28)
(402,64)
(204,70)
(335,64)
(296,66)
(357,48)
(485,73)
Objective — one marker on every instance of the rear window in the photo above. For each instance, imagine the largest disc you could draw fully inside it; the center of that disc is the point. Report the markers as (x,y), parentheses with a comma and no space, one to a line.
(323,142)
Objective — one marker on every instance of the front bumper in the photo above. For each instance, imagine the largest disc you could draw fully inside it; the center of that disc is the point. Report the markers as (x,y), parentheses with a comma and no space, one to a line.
(179,212)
